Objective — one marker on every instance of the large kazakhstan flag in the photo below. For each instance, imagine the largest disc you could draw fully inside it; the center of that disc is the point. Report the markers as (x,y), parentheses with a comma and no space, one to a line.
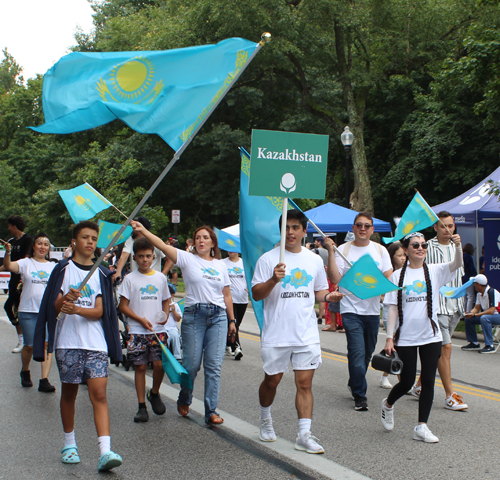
(164,92)
(418,215)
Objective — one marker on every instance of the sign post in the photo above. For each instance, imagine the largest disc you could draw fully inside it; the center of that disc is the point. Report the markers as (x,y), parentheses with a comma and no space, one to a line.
(283,163)
(176,219)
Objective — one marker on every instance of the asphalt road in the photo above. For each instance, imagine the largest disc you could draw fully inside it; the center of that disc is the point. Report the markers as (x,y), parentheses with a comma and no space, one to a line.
(172,447)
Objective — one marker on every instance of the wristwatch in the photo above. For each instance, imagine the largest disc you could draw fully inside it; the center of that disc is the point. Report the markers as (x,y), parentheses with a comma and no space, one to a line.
(232,321)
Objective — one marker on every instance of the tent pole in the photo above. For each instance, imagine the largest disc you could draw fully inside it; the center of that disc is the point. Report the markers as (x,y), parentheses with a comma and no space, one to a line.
(477,243)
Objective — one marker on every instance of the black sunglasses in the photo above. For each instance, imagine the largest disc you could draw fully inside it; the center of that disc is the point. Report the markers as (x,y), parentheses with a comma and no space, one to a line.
(361,225)
(415,245)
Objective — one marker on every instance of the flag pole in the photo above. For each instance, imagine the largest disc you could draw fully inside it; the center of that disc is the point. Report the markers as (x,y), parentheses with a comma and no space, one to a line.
(294,205)
(283,229)
(265,38)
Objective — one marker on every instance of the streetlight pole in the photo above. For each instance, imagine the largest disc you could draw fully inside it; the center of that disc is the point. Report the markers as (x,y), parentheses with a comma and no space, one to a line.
(347,138)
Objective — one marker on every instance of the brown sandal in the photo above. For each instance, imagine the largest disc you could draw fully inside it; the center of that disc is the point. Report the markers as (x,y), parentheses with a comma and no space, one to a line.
(328,328)
(183,410)
(215,419)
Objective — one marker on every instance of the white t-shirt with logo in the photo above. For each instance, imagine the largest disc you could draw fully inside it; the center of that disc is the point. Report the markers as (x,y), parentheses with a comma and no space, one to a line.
(238,286)
(129,248)
(289,316)
(171,323)
(204,279)
(145,293)
(417,328)
(75,331)
(35,276)
(351,303)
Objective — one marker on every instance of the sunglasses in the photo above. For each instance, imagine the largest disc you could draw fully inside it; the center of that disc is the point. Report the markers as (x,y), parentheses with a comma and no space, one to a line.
(363,225)
(415,245)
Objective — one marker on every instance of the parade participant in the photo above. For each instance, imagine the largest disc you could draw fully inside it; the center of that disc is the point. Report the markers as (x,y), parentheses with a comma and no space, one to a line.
(83,339)
(361,318)
(239,292)
(207,309)
(398,259)
(21,244)
(143,294)
(442,250)
(414,319)
(290,332)
(35,271)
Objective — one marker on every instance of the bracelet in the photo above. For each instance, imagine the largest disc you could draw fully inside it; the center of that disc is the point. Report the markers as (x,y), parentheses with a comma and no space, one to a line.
(232,321)
(324,300)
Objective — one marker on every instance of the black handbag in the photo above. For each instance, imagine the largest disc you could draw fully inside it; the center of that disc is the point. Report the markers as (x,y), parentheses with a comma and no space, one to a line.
(388,364)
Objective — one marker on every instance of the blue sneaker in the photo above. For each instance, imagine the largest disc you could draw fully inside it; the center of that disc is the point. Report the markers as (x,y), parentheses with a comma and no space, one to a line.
(108,461)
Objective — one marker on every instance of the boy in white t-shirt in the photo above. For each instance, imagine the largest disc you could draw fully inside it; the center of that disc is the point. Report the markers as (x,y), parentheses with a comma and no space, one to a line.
(290,331)
(145,300)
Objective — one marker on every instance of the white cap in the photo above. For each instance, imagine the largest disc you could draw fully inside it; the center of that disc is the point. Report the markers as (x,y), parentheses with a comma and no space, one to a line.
(481,279)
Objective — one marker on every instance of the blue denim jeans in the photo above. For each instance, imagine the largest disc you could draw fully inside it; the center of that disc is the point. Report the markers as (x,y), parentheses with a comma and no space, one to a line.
(204,333)
(487,322)
(361,333)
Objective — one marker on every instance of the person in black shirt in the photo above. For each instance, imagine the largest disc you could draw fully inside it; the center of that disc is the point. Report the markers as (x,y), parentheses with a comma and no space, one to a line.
(21,245)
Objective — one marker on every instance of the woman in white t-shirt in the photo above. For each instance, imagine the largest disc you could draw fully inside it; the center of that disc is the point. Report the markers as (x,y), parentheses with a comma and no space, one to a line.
(208,308)
(35,271)
(413,311)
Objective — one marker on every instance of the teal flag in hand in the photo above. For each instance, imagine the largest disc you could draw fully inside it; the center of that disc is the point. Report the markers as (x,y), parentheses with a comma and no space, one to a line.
(165,92)
(84,202)
(181,304)
(365,280)
(418,215)
(176,373)
(107,232)
(450,292)
(227,242)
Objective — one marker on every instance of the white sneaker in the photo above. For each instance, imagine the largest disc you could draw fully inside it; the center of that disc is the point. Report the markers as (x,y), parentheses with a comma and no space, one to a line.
(229,351)
(387,416)
(18,348)
(384,382)
(423,434)
(238,353)
(307,443)
(454,402)
(415,391)
(267,433)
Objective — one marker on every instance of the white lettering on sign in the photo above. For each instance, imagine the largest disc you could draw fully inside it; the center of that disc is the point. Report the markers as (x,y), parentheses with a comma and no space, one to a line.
(290,155)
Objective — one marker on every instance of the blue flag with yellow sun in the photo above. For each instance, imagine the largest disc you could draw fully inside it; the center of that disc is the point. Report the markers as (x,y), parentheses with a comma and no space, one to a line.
(418,215)
(450,292)
(107,232)
(227,242)
(84,202)
(165,92)
(365,280)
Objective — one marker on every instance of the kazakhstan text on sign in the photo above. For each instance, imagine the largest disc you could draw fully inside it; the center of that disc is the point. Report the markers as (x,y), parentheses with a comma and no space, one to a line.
(288,164)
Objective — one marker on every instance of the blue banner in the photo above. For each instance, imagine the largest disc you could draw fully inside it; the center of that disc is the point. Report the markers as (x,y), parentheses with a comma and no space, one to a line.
(492,252)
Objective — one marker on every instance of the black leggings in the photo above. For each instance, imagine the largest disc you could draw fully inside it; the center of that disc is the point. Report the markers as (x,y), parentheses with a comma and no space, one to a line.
(429,357)
(239,312)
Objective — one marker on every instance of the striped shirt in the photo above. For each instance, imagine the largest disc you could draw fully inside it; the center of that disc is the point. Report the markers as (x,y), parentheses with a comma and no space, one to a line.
(438,253)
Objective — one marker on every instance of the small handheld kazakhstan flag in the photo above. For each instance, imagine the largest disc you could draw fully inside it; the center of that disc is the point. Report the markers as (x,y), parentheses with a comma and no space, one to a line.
(418,215)
(166,92)
(365,280)
(84,202)
(176,373)
(227,242)
(107,232)
(181,304)
(450,292)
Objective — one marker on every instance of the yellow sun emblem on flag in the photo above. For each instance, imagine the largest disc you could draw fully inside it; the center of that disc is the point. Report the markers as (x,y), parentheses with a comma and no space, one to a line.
(84,203)
(230,242)
(367,281)
(131,82)
(408,227)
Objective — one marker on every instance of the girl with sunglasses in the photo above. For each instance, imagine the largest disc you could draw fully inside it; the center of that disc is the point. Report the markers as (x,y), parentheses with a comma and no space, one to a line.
(413,319)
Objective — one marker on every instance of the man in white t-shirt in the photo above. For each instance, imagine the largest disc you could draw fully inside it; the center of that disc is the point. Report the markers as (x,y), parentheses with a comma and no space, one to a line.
(485,313)
(361,318)
(290,331)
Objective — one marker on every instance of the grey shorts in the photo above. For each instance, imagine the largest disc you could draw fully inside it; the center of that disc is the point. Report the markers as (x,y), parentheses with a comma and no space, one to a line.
(447,324)
(75,364)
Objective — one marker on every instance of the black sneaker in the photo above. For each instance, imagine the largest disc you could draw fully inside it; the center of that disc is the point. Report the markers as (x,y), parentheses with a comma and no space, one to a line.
(360,404)
(488,349)
(141,415)
(26,379)
(472,346)
(45,386)
(156,404)
(320,320)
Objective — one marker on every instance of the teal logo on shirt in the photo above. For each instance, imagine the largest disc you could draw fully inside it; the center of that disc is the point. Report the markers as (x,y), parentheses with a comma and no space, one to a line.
(42,275)
(210,271)
(417,286)
(149,289)
(236,270)
(86,291)
(297,278)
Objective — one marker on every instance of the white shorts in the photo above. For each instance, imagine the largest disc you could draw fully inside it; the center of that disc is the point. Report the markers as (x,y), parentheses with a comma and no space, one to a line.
(277,359)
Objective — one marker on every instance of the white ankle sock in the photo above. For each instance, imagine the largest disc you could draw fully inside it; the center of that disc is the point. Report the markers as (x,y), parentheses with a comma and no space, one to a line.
(20,338)
(304,425)
(265,412)
(104,444)
(69,438)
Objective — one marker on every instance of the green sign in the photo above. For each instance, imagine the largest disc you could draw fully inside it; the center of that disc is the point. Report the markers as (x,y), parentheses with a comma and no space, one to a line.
(286,164)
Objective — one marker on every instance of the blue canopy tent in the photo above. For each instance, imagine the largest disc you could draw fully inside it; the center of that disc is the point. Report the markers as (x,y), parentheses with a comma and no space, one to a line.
(334,218)
(470,208)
